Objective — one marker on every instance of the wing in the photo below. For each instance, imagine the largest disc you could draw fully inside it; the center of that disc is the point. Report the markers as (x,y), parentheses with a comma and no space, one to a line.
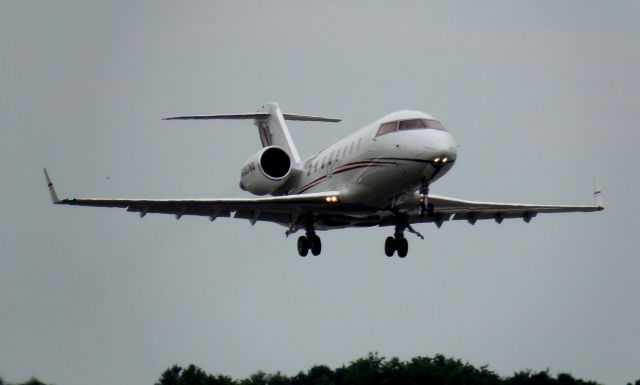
(284,210)
(444,208)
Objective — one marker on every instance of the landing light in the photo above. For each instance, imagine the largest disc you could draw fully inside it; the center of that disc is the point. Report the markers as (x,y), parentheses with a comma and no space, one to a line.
(439,160)
(331,199)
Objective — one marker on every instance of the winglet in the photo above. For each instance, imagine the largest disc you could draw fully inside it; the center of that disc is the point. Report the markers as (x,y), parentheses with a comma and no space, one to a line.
(597,196)
(52,191)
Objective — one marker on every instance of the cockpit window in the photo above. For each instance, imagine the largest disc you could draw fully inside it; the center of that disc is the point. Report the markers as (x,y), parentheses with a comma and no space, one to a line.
(416,124)
(409,124)
(387,128)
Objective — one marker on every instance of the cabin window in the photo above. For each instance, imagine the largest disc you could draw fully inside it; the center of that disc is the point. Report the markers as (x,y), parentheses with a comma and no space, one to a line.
(307,165)
(387,128)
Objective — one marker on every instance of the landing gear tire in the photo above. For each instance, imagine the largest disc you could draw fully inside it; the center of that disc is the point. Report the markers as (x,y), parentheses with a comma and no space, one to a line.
(315,244)
(303,246)
(403,247)
(389,246)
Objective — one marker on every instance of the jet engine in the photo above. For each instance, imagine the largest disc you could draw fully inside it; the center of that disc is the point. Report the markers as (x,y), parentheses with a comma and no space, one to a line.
(266,171)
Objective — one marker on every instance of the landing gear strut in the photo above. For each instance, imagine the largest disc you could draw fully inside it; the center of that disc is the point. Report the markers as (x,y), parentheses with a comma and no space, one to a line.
(424,190)
(310,241)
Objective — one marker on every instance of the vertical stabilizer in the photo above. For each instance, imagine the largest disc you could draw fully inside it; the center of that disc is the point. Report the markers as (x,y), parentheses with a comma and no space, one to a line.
(274,131)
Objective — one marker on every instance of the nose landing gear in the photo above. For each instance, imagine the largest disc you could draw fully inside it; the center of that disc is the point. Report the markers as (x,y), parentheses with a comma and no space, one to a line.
(424,190)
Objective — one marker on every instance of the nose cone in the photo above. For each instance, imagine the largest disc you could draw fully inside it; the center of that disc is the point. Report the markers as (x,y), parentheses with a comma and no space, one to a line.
(441,144)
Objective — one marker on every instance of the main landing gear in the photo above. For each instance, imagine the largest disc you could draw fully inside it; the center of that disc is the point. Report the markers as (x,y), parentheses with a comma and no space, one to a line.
(398,242)
(393,244)
(310,241)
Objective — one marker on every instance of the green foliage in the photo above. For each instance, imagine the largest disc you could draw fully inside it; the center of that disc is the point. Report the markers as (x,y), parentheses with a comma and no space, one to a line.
(376,370)
(371,370)
(32,381)
(193,375)
(170,376)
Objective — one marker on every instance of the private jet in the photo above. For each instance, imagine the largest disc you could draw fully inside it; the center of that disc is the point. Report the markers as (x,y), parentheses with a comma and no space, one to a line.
(379,175)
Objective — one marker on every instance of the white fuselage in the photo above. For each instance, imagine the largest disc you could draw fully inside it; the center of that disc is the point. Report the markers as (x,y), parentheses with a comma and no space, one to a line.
(378,170)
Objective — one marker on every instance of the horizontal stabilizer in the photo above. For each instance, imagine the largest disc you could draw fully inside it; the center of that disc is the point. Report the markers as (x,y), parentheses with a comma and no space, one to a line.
(309,118)
(256,115)
(250,115)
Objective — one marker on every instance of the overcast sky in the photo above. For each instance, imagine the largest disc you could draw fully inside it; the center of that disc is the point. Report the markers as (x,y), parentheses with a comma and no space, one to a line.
(542,96)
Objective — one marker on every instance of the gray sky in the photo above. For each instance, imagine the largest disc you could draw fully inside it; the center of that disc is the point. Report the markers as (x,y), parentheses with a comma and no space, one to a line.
(542,96)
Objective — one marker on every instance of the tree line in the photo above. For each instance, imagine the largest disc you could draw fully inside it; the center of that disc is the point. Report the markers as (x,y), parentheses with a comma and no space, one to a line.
(371,370)
(32,381)
(376,370)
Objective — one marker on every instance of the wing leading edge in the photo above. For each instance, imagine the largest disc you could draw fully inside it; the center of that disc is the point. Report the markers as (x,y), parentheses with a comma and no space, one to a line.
(444,209)
(287,209)
(280,209)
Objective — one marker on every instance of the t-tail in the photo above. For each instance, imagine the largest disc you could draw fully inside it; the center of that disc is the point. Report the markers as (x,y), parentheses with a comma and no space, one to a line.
(271,125)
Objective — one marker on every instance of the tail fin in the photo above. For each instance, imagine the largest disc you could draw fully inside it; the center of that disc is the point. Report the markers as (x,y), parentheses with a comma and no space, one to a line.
(271,125)
(273,130)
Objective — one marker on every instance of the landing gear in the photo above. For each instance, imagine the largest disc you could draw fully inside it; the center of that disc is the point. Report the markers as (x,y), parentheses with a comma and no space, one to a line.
(402,246)
(424,190)
(310,241)
(392,245)
(398,242)
(316,245)
(303,246)
(306,243)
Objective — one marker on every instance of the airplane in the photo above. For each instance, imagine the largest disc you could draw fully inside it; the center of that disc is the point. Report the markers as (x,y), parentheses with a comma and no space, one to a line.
(379,175)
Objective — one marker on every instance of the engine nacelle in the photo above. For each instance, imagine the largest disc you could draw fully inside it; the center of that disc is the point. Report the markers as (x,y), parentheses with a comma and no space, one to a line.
(266,171)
